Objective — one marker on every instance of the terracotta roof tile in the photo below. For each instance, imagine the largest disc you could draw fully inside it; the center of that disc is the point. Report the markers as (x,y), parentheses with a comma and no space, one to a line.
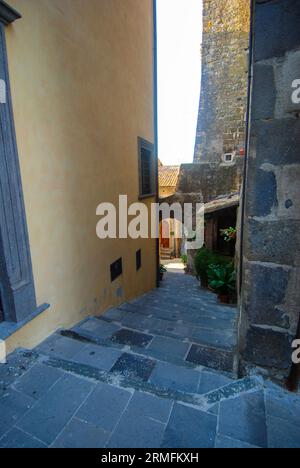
(168,176)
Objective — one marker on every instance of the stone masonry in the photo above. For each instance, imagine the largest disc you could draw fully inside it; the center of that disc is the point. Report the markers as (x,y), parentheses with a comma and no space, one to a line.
(271,248)
(223,101)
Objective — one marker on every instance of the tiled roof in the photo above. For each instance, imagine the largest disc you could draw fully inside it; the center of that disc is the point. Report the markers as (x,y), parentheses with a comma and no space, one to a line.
(168,176)
(222,202)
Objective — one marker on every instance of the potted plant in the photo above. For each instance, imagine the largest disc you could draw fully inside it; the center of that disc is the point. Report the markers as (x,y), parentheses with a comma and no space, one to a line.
(229,234)
(205,257)
(222,280)
(162,270)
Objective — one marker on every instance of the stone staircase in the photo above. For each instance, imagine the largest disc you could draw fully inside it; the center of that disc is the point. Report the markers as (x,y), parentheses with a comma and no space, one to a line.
(158,371)
(165,253)
(168,342)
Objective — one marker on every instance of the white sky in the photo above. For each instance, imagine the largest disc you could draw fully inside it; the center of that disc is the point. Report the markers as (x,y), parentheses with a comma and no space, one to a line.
(179,30)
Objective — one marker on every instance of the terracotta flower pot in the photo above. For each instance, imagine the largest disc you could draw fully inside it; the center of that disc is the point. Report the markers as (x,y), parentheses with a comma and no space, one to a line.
(224,298)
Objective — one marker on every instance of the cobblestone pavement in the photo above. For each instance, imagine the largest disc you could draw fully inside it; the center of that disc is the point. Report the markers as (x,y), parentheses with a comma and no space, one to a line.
(155,372)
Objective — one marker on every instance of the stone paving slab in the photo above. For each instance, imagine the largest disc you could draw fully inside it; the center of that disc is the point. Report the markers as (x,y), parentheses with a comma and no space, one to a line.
(143,423)
(190,428)
(244,419)
(210,381)
(85,390)
(81,434)
(52,412)
(16,438)
(101,357)
(131,366)
(17,364)
(169,346)
(37,381)
(13,405)
(169,376)
(60,346)
(223,442)
(104,407)
(210,357)
(131,338)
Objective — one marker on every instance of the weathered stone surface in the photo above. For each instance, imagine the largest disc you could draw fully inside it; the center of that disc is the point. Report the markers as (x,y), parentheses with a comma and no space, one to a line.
(13,405)
(266,290)
(265,247)
(211,357)
(173,377)
(169,347)
(262,198)
(143,423)
(134,366)
(211,381)
(18,439)
(268,348)
(190,428)
(37,381)
(264,92)
(270,293)
(223,442)
(234,413)
(276,141)
(104,406)
(98,356)
(52,412)
(80,434)
(276,28)
(208,181)
(221,126)
(131,338)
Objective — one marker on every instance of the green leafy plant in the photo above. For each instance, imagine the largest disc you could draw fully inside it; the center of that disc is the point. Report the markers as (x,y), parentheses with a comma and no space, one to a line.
(184,259)
(162,269)
(229,234)
(205,257)
(222,279)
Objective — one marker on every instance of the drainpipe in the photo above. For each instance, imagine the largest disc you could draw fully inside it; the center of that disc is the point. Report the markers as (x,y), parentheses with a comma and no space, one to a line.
(247,137)
(155,126)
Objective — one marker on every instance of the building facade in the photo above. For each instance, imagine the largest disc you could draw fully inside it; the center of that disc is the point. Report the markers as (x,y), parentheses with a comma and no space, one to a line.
(81,81)
(223,100)
(270,295)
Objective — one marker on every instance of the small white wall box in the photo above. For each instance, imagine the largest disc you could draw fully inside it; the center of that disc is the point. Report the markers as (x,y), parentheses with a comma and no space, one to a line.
(2,352)
(228,157)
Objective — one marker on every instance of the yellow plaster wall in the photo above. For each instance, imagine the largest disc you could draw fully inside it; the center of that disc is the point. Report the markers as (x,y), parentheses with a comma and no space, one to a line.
(165,191)
(82,88)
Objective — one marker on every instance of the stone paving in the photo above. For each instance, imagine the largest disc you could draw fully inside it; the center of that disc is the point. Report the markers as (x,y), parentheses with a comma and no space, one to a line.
(156,372)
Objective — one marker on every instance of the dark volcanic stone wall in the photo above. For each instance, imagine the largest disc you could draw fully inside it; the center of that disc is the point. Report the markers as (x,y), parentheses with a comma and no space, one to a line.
(270,303)
(221,124)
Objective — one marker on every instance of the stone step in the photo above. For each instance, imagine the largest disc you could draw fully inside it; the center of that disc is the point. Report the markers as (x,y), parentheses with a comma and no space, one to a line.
(210,333)
(198,387)
(169,349)
(186,315)
(193,301)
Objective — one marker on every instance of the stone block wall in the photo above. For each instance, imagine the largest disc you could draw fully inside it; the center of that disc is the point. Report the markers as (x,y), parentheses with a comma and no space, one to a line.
(210,180)
(221,123)
(270,301)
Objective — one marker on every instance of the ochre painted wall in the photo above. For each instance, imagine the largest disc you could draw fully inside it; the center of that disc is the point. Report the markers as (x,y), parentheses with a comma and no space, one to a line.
(81,76)
(166,191)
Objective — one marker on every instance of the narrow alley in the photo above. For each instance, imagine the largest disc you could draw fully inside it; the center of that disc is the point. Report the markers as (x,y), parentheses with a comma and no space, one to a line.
(145,375)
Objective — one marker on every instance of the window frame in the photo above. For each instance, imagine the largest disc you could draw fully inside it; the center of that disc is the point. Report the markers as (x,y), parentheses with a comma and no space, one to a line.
(146,145)
(16,277)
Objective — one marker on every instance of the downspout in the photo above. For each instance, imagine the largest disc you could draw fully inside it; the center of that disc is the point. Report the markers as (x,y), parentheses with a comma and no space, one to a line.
(155,127)
(247,137)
